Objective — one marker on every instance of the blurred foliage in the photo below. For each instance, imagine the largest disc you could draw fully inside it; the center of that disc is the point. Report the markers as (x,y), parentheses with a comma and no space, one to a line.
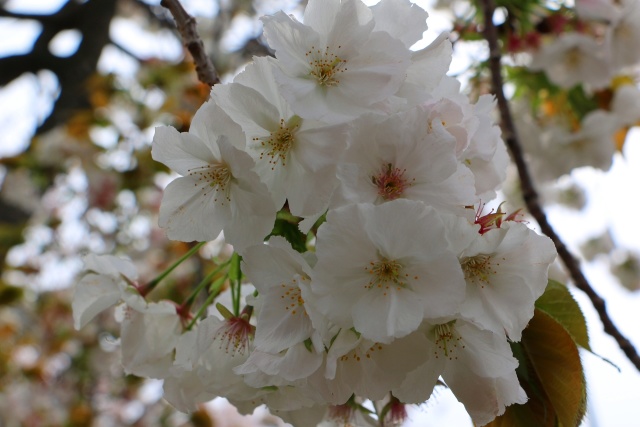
(87,183)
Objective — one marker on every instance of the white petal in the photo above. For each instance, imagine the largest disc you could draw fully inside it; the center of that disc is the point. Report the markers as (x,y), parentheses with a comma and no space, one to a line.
(429,65)
(181,151)
(256,115)
(110,265)
(210,123)
(192,212)
(93,294)
(291,40)
(403,20)
(486,353)
(259,75)
(383,315)
(148,339)
(330,16)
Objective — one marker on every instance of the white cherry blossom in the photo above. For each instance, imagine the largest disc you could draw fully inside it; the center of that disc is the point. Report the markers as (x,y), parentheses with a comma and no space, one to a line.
(148,335)
(571,59)
(183,387)
(102,287)
(506,272)
(556,150)
(397,157)
(402,19)
(367,368)
(623,34)
(296,362)
(334,67)
(295,157)
(383,268)
(221,346)
(218,189)
(486,155)
(426,71)
(277,272)
(476,364)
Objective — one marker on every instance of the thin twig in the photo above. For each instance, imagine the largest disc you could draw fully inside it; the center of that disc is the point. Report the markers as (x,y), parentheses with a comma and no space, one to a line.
(530,194)
(187,26)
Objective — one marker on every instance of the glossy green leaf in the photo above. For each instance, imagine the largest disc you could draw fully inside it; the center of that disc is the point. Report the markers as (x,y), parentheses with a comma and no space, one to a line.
(535,413)
(556,361)
(538,411)
(558,303)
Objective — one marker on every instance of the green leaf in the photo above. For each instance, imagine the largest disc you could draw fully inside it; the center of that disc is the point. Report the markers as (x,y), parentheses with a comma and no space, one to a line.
(288,229)
(525,371)
(538,411)
(530,415)
(558,303)
(580,102)
(534,413)
(556,361)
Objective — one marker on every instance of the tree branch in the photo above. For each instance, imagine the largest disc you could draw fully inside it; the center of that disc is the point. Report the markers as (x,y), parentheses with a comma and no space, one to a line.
(156,13)
(69,8)
(530,194)
(187,26)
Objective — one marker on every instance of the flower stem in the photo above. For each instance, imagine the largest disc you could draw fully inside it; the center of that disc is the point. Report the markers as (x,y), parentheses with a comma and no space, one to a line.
(215,290)
(203,284)
(235,275)
(152,284)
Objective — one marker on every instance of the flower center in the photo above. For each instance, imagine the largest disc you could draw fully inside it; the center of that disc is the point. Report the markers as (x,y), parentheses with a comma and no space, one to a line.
(235,335)
(391,182)
(325,66)
(292,296)
(478,269)
(356,354)
(573,58)
(342,414)
(385,274)
(214,178)
(278,144)
(447,341)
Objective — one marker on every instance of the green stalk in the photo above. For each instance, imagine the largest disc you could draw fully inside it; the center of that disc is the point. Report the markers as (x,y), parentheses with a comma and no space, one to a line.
(235,275)
(203,284)
(215,290)
(152,284)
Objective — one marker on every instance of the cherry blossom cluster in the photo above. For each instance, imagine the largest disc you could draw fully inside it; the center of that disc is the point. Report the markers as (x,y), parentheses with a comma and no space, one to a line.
(599,54)
(385,164)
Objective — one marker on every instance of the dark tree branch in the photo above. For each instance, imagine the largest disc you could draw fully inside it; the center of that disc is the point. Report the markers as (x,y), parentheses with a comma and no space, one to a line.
(68,9)
(92,19)
(530,194)
(156,14)
(12,214)
(124,50)
(187,26)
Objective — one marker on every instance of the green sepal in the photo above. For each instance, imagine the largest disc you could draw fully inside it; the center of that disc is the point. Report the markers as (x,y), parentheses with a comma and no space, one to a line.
(308,344)
(224,311)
